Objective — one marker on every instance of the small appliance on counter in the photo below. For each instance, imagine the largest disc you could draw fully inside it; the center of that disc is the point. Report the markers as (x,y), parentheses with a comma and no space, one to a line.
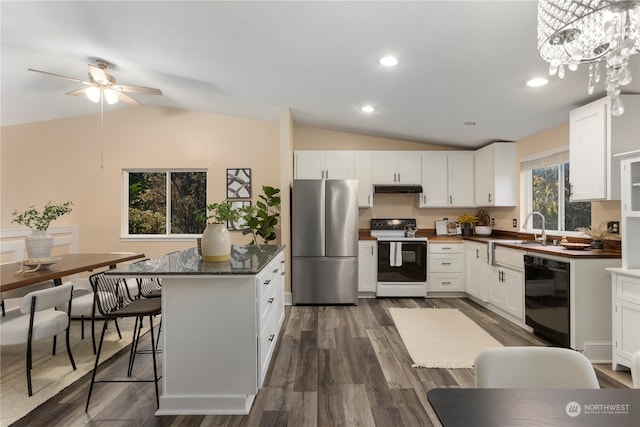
(448,228)
(402,258)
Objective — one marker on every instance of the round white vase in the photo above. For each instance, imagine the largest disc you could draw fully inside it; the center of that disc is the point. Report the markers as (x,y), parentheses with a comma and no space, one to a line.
(216,243)
(38,244)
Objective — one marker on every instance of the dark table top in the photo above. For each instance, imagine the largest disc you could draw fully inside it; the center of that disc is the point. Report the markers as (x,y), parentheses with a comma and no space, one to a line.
(68,265)
(536,407)
(245,259)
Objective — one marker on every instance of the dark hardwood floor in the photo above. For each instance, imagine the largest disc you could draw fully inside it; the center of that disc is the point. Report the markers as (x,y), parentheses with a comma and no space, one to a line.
(333,366)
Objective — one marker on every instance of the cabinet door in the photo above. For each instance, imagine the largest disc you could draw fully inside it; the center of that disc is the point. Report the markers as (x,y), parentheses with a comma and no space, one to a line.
(513,292)
(408,168)
(309,165)
(460,179)
(434,179)
(627,326)
(483,176)
(339,165)
(474,260)
(363,175)
(367,266)
(496,290)
(588,135)
(384,167)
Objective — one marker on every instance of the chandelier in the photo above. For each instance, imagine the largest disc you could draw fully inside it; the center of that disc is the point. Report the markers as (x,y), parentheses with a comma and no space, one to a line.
(573,32)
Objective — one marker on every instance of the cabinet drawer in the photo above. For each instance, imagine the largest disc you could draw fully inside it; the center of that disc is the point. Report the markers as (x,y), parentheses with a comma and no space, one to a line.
(266,343)
(445,263)
(628,289)
(446,282)
(446,248)
(266,304)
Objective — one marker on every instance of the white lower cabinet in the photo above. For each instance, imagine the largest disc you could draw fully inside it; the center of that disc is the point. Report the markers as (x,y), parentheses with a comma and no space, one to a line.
(446,267)
(270,306)
(367,266)
(475,264)
(626,315)
(506,282)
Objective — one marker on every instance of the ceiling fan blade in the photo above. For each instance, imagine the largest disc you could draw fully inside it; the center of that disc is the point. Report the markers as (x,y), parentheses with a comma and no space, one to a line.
(99,75)
(77,92)
(126,98)
(138,89)
(59,75)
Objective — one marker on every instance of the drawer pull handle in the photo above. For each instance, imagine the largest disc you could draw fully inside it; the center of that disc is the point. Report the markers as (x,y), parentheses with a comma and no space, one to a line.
(446,283)
(266,282)
(275,271)
(446,263)
(282,274)
(447,248)
(271,300)
(272,337)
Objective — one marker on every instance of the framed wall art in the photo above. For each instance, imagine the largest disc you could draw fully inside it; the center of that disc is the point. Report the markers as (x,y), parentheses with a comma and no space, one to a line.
(235,205)
(239,183)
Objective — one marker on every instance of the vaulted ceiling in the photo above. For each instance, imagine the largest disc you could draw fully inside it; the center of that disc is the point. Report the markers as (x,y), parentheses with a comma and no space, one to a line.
(459,61)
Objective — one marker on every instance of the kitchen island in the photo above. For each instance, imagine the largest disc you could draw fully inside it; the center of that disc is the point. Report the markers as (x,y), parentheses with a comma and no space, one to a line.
(220,325)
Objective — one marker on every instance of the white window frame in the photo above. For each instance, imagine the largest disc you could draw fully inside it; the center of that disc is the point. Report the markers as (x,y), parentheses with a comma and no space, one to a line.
(526,183)
(124,225)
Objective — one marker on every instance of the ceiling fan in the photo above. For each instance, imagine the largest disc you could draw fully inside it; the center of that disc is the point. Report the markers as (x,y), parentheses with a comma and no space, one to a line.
(102,85)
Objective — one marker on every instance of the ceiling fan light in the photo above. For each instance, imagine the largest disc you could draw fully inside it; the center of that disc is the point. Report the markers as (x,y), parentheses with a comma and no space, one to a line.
(111,96)
(93,93)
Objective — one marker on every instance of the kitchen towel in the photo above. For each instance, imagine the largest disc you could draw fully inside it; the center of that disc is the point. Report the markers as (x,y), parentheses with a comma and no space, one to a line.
(395,254)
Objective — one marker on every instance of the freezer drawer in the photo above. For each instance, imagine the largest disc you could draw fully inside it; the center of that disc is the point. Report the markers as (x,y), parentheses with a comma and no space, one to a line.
(325,280)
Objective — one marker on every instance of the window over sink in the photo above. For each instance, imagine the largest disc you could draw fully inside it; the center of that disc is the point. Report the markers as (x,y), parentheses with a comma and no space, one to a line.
(547,190)
(164,203)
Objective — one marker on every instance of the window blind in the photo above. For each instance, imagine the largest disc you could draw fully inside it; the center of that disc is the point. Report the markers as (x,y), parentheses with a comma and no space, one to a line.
(548,158)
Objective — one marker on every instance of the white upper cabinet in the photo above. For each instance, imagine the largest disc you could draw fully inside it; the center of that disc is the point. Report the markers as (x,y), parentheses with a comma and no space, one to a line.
(496,176)
(447,179)
(595,136)
(363,175)
(396,167)
(630,226)
(324,164)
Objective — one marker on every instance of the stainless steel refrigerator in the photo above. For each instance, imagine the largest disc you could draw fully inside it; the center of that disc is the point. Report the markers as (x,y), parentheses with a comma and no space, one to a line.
(324,241)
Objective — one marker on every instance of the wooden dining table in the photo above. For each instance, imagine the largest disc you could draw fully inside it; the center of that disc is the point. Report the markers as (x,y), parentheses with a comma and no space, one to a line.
(69,264)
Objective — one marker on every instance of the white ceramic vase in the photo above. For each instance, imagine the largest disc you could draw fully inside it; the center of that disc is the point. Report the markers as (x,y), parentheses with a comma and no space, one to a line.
(216,243)
(38,244)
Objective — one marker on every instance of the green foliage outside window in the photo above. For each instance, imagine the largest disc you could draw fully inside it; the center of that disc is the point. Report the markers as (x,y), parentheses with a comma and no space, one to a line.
(148,198)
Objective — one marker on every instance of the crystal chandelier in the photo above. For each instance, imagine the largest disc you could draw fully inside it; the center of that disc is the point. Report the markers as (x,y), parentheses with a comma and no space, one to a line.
(573,32)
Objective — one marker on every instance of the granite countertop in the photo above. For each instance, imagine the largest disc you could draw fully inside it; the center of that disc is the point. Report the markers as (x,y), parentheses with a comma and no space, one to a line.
(245,260)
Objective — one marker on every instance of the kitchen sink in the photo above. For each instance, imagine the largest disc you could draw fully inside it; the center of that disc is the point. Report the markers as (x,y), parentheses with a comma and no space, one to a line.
(525,242)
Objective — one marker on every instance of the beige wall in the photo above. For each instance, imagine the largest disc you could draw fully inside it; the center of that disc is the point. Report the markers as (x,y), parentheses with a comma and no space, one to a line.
(59,160)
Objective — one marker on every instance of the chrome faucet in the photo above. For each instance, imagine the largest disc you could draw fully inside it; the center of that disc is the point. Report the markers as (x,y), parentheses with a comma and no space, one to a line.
(543,237)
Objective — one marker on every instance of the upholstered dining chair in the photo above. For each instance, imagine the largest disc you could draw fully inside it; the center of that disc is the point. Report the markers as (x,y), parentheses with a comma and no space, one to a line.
(534,367)
(116,302)
(38,319)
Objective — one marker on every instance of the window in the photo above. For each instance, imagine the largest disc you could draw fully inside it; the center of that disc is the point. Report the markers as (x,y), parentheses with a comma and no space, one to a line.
(548,192)
(165,202)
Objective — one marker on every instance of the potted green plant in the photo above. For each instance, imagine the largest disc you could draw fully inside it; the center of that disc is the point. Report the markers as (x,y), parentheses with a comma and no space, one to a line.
(39,243)
(466,221)
(216,242)
(597,233)
(261,220)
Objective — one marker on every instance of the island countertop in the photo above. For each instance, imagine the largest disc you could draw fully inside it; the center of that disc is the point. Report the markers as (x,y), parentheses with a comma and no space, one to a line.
(245,260)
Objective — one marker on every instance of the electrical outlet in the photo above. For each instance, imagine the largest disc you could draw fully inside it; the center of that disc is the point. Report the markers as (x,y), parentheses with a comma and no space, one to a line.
(515,223)
(493,222)
(614,226)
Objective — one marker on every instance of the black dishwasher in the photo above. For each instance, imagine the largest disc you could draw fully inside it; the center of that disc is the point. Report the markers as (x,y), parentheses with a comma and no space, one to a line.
(546,301)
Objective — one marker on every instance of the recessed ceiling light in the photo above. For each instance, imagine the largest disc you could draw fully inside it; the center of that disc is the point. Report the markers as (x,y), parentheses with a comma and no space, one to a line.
(389,61)
(367,109)
(537,82)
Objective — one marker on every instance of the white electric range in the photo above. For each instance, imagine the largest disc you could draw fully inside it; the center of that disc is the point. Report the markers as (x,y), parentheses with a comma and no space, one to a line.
(402,260)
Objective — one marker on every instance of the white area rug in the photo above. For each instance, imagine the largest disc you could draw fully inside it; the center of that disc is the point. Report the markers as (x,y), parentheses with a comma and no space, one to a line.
(441,337)
(51,374)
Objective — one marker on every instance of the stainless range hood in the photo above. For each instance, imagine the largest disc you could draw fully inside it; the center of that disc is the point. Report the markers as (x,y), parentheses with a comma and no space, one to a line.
(396,189)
